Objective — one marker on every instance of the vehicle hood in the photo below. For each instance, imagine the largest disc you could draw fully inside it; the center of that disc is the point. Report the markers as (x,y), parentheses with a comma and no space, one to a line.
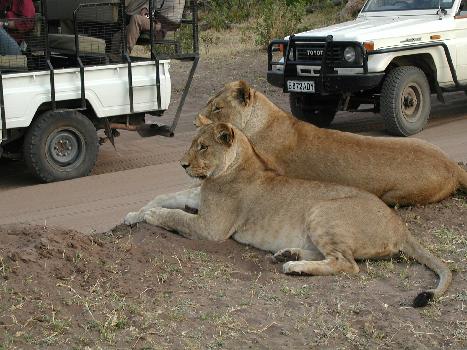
(386,31)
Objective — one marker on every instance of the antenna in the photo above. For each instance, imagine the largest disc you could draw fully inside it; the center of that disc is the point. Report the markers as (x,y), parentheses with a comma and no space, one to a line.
(441,11)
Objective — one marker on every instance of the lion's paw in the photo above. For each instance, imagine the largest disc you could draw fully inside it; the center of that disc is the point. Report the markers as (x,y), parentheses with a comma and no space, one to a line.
(293,268)
(287,254)
(132,218)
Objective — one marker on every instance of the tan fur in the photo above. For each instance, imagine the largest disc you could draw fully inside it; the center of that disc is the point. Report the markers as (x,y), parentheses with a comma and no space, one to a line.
(324,226)
(399,171)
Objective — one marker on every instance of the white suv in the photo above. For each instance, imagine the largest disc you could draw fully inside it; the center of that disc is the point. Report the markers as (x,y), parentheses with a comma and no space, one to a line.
(392,56)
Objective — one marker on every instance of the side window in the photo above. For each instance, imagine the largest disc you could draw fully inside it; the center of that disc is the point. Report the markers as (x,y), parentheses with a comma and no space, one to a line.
(462,8)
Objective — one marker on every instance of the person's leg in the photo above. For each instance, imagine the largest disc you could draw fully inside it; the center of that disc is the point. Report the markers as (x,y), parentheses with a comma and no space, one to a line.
(137,25)
(8,45)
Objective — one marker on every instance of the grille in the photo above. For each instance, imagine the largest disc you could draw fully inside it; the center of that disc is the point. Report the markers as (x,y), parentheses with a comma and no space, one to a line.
(334,54)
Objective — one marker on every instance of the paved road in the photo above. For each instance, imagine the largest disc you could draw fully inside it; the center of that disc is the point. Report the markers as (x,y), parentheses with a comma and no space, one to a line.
(139,169)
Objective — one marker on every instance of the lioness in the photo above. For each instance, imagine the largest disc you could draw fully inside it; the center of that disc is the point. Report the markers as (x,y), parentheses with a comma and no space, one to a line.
(323,226)
(399,171)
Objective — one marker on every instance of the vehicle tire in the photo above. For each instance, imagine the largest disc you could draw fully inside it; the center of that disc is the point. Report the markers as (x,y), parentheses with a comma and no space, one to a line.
(60,146)
(313,110)
(405,101)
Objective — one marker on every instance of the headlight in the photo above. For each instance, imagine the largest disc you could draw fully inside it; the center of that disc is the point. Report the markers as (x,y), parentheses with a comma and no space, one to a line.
(350,54)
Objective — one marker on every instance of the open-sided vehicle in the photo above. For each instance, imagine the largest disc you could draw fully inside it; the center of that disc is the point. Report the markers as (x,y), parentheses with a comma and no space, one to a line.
(73,78)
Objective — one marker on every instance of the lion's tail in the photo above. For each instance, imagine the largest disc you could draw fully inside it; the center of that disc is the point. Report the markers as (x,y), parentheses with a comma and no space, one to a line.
(423,256)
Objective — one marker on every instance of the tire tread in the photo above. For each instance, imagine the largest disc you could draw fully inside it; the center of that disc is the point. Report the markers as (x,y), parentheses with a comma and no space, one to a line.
(389,110)
(31,145)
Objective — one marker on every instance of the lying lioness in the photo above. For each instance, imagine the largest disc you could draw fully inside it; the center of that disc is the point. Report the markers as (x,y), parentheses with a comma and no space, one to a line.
(399,171)
(322,227)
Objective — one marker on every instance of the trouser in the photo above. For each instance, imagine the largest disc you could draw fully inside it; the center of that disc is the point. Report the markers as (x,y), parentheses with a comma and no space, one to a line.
(8,45)
(136,25)
(134,28)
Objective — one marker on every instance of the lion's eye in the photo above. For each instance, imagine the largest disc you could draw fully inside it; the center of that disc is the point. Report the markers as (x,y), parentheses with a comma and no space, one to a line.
(216,109)
(202,147)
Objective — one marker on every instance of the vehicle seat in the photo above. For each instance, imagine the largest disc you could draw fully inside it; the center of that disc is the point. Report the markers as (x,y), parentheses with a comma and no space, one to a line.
(65,43)
(90,43)
(14,63)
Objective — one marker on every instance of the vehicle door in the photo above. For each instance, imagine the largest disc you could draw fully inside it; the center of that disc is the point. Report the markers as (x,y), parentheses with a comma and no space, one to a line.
(460,21)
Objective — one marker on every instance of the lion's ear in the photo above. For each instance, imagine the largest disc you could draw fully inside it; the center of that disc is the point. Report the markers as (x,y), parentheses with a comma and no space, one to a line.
(224,134)
(244,93)
(202,120)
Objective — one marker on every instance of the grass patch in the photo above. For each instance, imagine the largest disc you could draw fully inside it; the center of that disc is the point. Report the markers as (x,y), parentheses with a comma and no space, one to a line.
(379,268)
(453,244)
(4,268)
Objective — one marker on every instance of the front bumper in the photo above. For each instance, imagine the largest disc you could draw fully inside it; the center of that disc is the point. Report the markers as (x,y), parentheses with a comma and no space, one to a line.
(330,83)
(331,72)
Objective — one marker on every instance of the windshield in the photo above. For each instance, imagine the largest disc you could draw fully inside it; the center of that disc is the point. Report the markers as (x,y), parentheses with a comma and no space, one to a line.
(405,5)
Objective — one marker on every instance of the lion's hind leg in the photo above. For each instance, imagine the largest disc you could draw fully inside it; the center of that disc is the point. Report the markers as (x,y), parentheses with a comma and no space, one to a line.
(332,238)
(331,265)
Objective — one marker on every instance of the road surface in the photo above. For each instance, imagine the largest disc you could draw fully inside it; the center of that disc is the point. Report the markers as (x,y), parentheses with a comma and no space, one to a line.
(127,178)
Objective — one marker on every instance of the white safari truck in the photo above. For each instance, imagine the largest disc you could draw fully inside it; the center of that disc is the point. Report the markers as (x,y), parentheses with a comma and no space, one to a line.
(393,56)
(74,77)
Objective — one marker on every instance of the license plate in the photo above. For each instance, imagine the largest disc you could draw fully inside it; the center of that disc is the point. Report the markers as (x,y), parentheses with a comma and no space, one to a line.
(301,86)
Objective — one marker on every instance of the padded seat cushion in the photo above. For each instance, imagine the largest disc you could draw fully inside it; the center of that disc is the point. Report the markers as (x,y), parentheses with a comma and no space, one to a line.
(87,44)
(13,62)
(63,9)
(171,10)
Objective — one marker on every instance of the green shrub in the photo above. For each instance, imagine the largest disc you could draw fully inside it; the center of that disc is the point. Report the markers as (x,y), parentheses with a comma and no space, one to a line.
(220,14)
(278,19)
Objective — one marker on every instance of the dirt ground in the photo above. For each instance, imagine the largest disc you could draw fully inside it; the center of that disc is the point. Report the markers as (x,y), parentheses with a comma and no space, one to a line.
(145,288)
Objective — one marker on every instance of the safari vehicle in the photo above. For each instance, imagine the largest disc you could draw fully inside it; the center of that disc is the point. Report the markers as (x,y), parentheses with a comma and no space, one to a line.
(71,80)
(391,57)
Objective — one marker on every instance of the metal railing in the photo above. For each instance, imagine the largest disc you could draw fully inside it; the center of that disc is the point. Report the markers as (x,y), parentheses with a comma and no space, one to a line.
(48,58)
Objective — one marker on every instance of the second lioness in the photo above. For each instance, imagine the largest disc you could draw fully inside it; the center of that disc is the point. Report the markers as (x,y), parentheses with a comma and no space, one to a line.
(324,226)
(399,171)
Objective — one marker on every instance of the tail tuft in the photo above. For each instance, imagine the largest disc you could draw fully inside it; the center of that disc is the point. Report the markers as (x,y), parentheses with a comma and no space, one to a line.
(423,299)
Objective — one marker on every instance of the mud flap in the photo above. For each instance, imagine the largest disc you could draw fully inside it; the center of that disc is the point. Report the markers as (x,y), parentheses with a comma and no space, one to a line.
(108,132)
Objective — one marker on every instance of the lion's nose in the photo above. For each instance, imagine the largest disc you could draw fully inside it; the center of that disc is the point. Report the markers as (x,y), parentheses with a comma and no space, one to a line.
(184,164)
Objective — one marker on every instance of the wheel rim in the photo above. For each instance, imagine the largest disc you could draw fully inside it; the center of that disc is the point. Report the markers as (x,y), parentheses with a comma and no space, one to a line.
(411,102)
(65,148)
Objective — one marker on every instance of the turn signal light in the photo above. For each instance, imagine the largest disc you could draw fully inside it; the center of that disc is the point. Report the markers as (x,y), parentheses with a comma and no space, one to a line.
(369,45)
(435,37)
